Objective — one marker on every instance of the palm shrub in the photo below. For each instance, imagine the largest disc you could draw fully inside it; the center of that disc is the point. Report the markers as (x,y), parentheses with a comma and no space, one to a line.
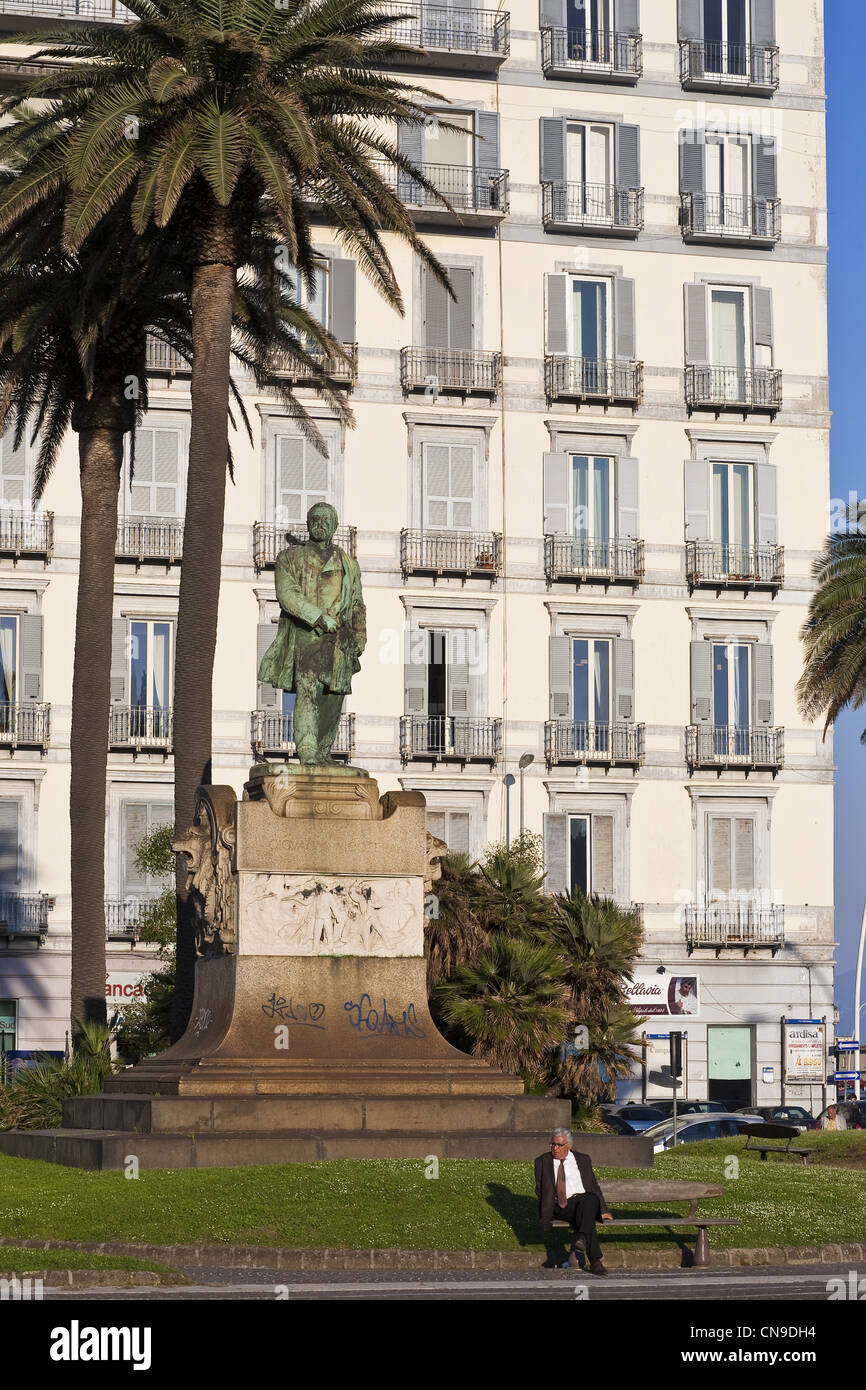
(834,634)
(453,931)
(33,1099)
(600,942)
(614,1050)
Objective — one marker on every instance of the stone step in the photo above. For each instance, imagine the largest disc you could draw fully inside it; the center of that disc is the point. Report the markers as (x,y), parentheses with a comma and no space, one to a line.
(314,1077)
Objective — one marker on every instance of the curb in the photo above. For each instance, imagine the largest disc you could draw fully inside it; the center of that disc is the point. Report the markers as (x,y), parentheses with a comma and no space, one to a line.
(270,1257)
(89,1278)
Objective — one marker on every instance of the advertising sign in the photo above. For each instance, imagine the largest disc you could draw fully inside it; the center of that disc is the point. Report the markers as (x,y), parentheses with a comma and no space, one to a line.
(667,996)
(804,1049)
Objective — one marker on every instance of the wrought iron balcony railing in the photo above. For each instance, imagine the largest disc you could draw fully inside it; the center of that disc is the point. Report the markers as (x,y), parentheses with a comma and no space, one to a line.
(26,533)
(125,917)
(12,71)
(734,925)
(729,388)
(729,66)
(718,566)
(588,379)
(461,371)
(576,741)
(101,11)
(725,217)
(25,725)
(342,369)
(269,540)
(25,916)
(468,553)
(476,195)
(452,37)
(272,733)
(591,53)
(449,737)
(141,728)
(718,746)
(592,207)
(576,558)
(163,358)
(151,538)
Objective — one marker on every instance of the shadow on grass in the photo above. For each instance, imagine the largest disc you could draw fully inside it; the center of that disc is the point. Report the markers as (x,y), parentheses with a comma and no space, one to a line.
(521,1214)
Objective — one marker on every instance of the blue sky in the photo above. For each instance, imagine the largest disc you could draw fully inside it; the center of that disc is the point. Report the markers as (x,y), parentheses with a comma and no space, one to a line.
(847,195)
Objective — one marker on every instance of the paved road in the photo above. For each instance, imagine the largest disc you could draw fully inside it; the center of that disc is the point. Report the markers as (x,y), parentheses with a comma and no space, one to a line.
(805,1283)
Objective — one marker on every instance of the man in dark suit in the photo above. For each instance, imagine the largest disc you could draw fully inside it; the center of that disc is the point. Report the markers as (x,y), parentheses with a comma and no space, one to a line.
(567,1190)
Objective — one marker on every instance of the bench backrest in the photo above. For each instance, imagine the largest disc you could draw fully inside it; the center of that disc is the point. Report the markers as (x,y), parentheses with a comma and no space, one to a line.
(772,1131)
(650,1190)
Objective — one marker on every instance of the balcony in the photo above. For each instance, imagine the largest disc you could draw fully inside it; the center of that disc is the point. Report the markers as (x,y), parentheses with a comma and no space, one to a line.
(449,738)
(455,39)
(25,726)
(586,379)
(24,917)
(735,926)
(450,371)
(343,370)
(141,728)
(729,388)
(269,540)
(593,55)
(11,71)
(125,918)
(469,554)
(101,11)
(592,207)
(143,540)
(712,565)
(604,562)
(575,741)
(751,749)
(26,533)
(479,197)
(729,67)
(165,360)
(735,221)
(272,735)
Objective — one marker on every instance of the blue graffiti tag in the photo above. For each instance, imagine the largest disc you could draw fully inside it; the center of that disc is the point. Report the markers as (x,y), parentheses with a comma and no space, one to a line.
(370,1022)
(305,1015)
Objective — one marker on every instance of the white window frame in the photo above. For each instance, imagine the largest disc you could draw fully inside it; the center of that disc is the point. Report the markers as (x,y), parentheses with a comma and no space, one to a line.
(745,292)
(156,419)
(607,281)
(587,128)
(449,527)
(591,458)
(275,426)
(151,623)
(729,464)
(565,800)
(759,805)
(714,896)
(730,644)
(747,27)
(592,642)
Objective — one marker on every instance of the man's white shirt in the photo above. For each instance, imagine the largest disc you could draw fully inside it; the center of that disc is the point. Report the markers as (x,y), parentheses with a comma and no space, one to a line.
(573,1181)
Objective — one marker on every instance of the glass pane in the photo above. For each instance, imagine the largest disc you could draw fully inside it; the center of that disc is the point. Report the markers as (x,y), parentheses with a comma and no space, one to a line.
(578,828)
(601,509)
(589,320)
(161,657)
(138,664)
(601,682)
(436,676)
(740,510)
(317,302)
(714,166)
(581,681)
(575,154)
(721,511)
(8,656)
(729,342)
(581,496)
(740,684)
(720,685)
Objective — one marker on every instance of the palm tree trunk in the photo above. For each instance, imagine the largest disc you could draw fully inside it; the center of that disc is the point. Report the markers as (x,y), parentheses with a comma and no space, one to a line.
(100,457)
(212,295)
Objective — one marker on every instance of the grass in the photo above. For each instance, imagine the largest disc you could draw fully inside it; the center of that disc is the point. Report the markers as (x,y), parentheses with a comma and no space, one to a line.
(472,1204)
(15,1260)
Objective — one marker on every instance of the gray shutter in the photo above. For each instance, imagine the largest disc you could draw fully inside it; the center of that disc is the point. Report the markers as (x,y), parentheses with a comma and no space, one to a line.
(436,307)
(627,146)
(690,16)
(764,167)
(561,678)
(763,22)
(623,304)
(13,470)
(744,854)
(134,831)
(768,509)
(697,324)
(698,500)
(410,141)
(623,680)
(720,855)
(627,494)
(626,16)
(268,697)
(557,495)
(693,161)
(487,146)
(552,143)
(119,661)
(762,311)
(30,636)
(457,672)
(762,678)
(460,312)
(416,671)
(702,682)
(553,14)
(457,835)
(556,300)
(10,843)
(342,323)
(557,878)
(602,855)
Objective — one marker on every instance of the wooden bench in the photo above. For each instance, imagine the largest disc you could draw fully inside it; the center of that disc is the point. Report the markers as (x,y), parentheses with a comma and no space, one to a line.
(787,1133)
(640,1190)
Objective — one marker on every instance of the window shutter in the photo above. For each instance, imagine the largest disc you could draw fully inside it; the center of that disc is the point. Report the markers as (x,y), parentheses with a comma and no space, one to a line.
(556,296)
(698,501)
(552,142)
(557,879)
(720,856)
(762,312)
(690,14)
(744,854)
(457,671)
(436,312)
(436,459)
(768,517)
(702,682)
(416,671)
(623,302)
(303,478)
(626,16)
(627,143)
(460,315)
(697,324)
(487,146)
(141,475)
(410,141)
(693,161)
(764,167)
(161,814)
(627,515)
(623,676)
(167,448)
(436,825)
(457,834)
(30,633)
(134,831)
(763,22)
(561,678)
(762,676)
(13,470)
(119,661)
(463,487)
(553,14)
(10,843)
(557,495)
(602,855)
(268,697)
(342,323)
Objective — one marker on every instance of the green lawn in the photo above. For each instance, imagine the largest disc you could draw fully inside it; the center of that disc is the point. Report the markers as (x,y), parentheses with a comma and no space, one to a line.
(389,1203)
(14,1260)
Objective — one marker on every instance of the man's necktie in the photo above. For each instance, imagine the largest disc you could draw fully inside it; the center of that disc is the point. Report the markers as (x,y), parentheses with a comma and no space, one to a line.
(561,1198)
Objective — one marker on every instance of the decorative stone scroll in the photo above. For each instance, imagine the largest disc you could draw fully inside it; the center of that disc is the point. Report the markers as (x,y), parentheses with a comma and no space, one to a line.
(208,846)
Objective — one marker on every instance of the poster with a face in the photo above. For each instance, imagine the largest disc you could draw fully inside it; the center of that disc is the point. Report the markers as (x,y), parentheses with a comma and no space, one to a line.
(683,996)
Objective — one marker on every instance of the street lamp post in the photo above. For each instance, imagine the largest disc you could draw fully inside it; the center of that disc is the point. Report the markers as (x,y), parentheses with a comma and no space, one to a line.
(525,760)
(508,782)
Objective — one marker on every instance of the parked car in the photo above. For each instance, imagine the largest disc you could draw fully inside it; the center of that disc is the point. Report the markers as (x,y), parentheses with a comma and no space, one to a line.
(690,1107)
(853,1110)
(795,1115)
(692,1128)
(637,1117)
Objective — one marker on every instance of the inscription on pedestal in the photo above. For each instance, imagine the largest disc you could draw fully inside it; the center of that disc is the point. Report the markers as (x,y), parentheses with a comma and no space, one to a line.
(330,915)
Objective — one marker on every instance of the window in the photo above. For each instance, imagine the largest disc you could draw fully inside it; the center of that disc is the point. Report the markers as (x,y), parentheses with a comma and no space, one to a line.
(316,299)
(138,820)
(726,34)
(591,675)
(589,162)
(588,24)
(15,469)
(8,662)
(592,498)
(728,180)
(589,324)
(592,320)
(729,320)
(731,867)
(445,668)
(8,1021)
(449,323)
(303,477)
(10,845)
(150,664)
(590,854)
(453,827)
(585,674)
(449,487)
(155,483)
(447,681)
(20,665)
(732,695)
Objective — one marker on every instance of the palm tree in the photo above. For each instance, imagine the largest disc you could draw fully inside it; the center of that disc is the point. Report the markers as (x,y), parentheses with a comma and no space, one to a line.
(599,941)
(834,633)
(204,110)
(454,933)
(614,1049)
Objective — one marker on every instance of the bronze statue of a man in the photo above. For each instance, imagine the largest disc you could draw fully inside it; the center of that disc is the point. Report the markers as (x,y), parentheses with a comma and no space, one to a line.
(321,634)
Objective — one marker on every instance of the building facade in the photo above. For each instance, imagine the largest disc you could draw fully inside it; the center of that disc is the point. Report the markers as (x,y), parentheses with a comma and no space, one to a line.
(585,495)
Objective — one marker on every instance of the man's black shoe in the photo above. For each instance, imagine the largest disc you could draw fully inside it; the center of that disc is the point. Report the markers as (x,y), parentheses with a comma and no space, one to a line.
(597,1267)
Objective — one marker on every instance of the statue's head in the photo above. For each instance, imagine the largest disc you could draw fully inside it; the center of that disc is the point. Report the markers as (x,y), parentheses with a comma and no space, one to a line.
(322,522)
